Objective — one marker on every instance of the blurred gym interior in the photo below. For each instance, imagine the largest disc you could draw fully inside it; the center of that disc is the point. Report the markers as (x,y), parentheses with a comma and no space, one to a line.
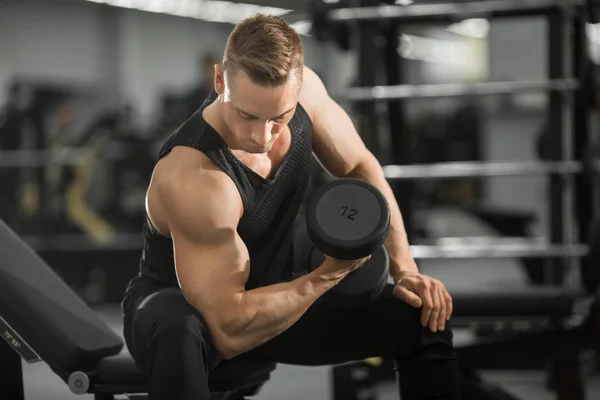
(483,113)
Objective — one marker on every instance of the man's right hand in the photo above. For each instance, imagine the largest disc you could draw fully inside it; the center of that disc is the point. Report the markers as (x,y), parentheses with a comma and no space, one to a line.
(333,268)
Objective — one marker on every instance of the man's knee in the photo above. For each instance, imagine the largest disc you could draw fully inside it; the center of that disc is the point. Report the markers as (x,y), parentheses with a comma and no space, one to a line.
(412,340)
(431,346)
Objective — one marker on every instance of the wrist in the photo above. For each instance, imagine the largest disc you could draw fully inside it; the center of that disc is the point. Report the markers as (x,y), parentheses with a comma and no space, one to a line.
(398,270)
(322,280)
(401,259)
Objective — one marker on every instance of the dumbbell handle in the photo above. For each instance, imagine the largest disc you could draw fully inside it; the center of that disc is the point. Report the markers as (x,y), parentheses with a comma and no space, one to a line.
(335,265)
(366,279)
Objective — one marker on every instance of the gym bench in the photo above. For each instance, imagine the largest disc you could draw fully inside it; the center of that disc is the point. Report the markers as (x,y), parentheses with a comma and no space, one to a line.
(525,329)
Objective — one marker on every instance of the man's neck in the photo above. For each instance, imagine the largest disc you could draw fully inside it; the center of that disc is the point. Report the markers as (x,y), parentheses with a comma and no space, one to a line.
(213,116)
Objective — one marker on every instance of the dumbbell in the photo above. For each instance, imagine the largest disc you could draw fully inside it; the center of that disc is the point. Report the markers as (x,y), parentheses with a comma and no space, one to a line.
(349,219)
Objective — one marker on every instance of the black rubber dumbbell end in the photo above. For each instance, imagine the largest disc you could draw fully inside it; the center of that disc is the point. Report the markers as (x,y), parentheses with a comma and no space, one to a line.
(348,218)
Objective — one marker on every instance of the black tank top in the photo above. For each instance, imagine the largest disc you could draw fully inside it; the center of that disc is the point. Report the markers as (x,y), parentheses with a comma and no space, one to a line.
(270,206)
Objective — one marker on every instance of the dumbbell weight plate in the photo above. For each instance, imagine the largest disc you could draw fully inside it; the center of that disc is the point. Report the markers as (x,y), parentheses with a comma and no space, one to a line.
(348,219)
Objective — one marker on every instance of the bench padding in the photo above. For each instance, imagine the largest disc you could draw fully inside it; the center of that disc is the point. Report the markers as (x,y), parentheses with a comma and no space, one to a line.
(516,302)
(46,313)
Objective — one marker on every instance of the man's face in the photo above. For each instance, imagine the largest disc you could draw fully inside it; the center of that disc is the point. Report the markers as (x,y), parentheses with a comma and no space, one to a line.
(256,115)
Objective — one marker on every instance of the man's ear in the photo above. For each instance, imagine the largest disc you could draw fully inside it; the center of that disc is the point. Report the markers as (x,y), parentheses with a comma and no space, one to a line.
(219,80)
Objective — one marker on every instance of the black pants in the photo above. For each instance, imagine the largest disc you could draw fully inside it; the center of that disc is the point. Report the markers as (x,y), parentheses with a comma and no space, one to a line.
(170,339)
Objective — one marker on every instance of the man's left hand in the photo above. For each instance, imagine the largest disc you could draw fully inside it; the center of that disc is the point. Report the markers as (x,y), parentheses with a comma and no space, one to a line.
(419,290)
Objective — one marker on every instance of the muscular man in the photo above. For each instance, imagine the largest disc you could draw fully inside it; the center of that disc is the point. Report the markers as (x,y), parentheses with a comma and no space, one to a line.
(215,277)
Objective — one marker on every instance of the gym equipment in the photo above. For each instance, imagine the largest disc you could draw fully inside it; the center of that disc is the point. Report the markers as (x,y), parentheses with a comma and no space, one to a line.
(450,12)
(479,169)
(348,218)
(42,319)
(496,247)
(331,20)
(590,271)
(513,224)
(458,89)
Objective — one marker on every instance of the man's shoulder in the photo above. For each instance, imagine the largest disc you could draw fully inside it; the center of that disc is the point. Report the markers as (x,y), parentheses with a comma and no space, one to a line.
(191,173)
(313,93)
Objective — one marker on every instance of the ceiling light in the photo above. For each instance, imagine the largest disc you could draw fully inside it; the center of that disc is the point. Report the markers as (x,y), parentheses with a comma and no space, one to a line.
(207,10)
(478,28)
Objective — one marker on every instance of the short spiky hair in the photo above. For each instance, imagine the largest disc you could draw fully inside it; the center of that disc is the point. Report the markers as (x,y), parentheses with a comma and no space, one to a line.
(266,48)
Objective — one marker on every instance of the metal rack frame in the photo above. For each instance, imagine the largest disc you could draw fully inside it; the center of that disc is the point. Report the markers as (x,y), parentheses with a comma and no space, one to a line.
(566,108)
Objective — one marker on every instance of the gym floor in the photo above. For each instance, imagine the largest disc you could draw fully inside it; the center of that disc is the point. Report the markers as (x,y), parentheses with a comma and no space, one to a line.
(292,382)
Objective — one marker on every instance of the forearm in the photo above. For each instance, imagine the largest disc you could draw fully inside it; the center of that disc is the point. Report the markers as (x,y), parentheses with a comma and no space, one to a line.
(401,260)
(263,313)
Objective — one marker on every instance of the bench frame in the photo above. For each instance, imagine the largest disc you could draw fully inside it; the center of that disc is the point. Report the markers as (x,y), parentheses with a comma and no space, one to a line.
(11,379)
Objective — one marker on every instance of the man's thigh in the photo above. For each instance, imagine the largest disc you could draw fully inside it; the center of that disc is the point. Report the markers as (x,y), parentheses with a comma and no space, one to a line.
(158,313)
(332,333)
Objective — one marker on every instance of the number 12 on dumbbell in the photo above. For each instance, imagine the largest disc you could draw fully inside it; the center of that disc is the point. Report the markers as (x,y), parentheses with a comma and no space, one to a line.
(350,214)
(348,218)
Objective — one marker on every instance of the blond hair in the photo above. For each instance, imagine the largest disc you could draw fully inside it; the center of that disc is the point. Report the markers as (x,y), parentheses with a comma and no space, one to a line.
(266,48)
